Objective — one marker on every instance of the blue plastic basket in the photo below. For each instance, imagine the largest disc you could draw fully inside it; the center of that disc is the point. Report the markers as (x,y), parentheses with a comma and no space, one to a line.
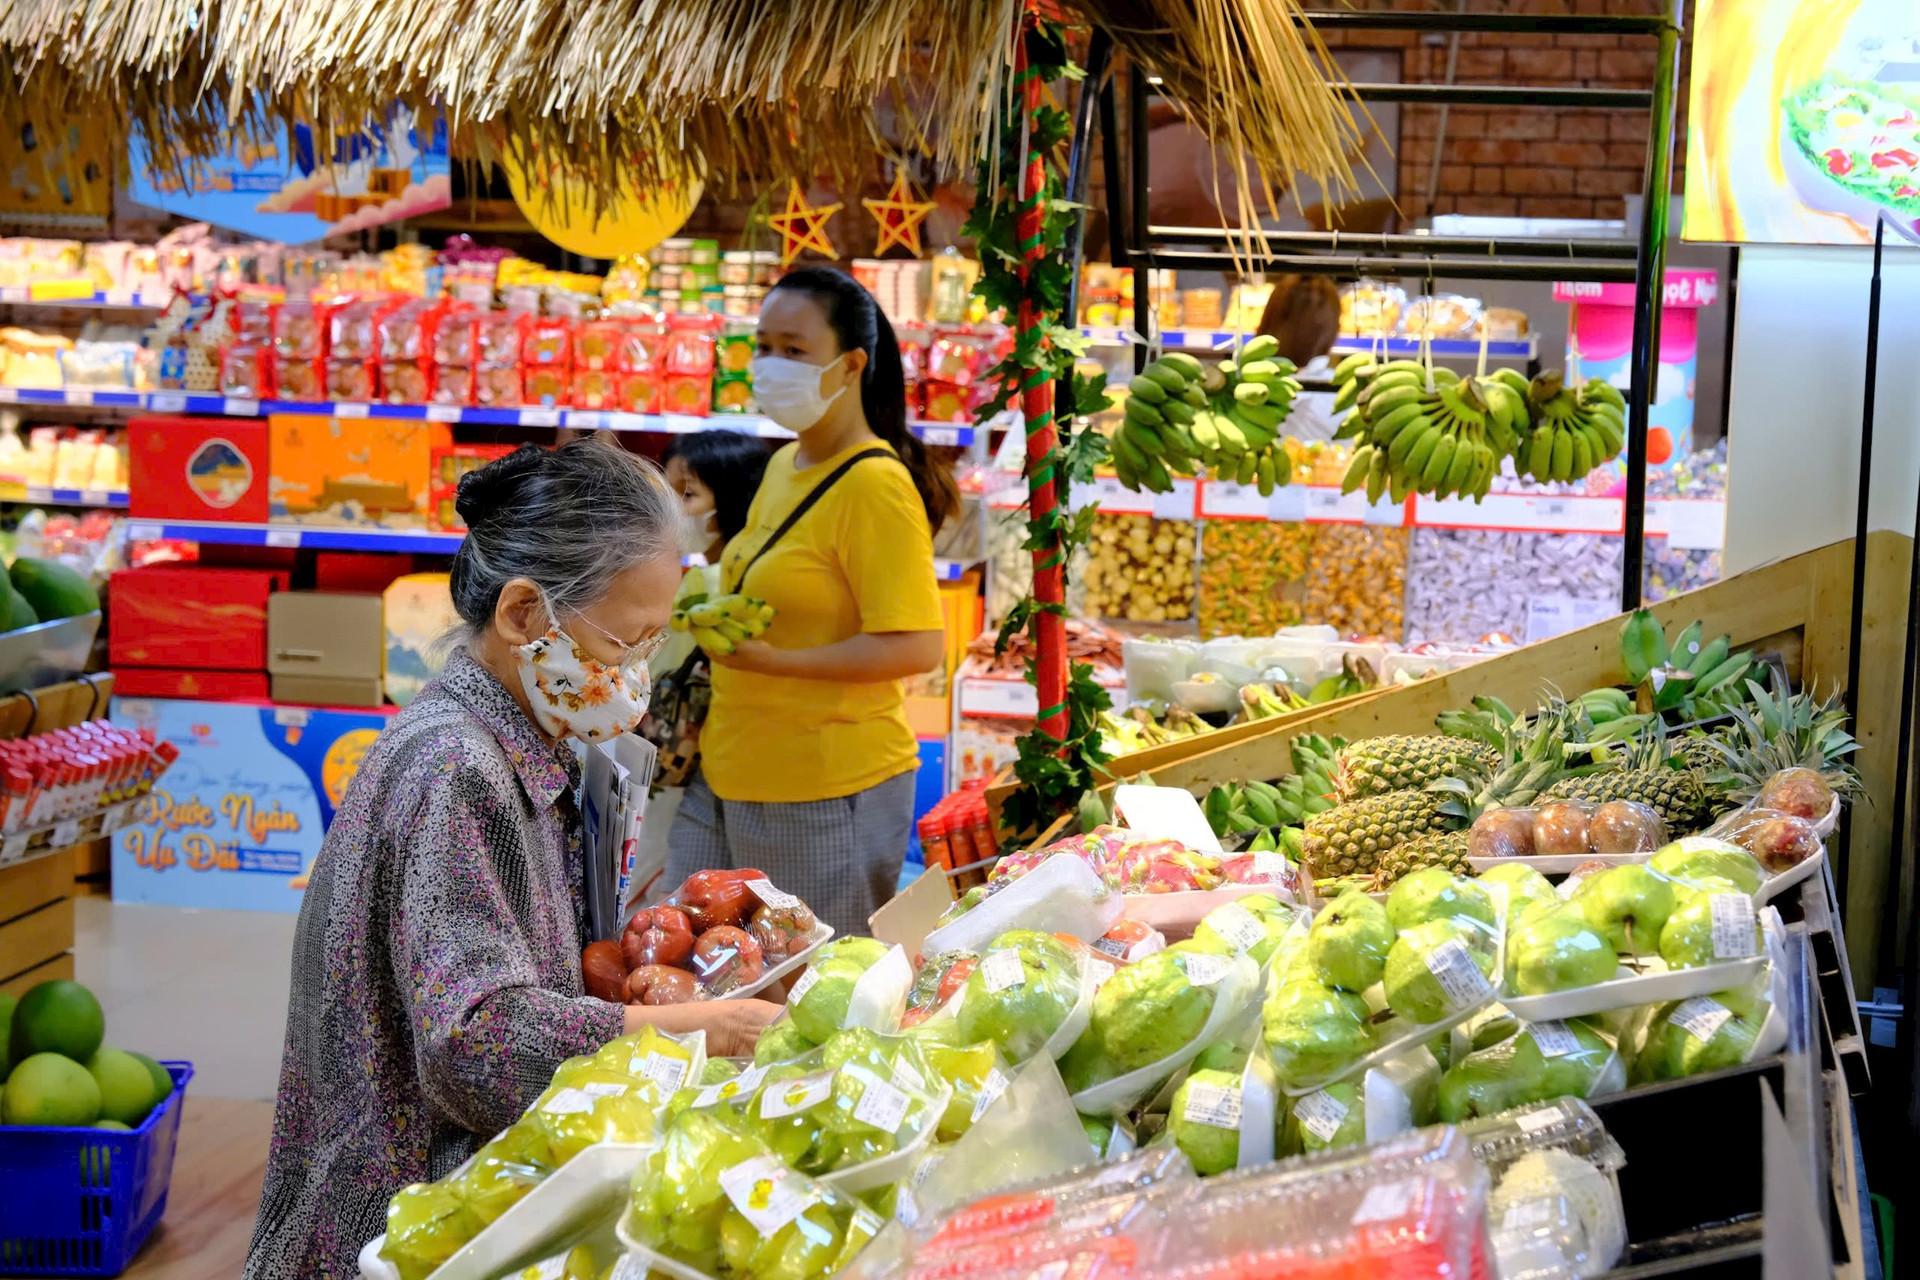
(81,1202)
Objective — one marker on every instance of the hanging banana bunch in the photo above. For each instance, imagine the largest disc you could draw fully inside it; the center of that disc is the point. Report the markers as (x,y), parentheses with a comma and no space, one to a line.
(1422,430)
(1573,432)
(1185,418)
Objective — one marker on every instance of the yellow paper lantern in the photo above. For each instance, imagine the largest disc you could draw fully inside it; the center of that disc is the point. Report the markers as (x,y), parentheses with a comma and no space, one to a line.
(631,221)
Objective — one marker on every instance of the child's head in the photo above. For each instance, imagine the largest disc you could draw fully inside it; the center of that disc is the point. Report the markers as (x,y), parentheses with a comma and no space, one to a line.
(716,474)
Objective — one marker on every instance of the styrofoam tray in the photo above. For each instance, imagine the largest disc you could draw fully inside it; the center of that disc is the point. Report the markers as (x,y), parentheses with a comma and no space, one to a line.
(1646,988)
(589,1184)
(1178,914)
(822,931)
(1775,885)
(1559,864)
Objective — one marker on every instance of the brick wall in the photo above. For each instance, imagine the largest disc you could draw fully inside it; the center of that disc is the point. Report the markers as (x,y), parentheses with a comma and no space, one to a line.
(1531,163)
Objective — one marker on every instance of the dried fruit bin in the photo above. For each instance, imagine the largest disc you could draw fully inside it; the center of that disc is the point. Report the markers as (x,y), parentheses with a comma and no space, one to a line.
(81,1202)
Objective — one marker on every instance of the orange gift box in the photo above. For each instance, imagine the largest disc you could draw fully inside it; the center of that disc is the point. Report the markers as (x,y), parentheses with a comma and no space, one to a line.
(365,472)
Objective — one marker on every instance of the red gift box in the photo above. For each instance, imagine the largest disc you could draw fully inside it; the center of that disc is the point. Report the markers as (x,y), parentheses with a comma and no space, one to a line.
(197,618)
(196,686)
(197,469)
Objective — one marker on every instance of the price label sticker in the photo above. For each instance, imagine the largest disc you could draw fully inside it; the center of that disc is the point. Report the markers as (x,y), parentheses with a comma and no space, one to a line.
(66,833)
(350,409)
(1236,924)
(1696,525)
(1700,1017)
(1268,865)
(1181,504)
(1114,947)
(990,1091)
(790,1097)
(539,417)
(947,437)
(1321,1114)
(1384,1202)
(1554,1039)
(1553,615)
(167,402)
(79,395)
(882,1106)
(137,532)
(740,1086)
(1002,969)
(1460,979)
(766,1192)
(94,497)
(1288,505)
(1327,505)
(238,408)
(1205,970)
(802,985)
(1213,1104)
(443,413)
(568,1102)
(763,889)
(115,818)
(628,1267)
(283,538)
(1101,971)
(1733,927)
(1225,500)
(587,419)
(681,423)
(664,1070)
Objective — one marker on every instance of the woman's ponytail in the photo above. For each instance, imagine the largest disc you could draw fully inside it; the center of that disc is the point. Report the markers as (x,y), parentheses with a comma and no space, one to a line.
(858,323)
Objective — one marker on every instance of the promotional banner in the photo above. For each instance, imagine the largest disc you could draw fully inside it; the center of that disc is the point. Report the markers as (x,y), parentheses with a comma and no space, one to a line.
(315,184)
(1600,331)
(1803,125)
(238,819)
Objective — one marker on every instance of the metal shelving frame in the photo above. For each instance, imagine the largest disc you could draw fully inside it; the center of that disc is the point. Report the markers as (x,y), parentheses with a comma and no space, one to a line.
(1642,262)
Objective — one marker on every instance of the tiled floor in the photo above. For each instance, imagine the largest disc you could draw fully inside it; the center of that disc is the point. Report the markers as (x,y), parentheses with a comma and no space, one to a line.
(206,986)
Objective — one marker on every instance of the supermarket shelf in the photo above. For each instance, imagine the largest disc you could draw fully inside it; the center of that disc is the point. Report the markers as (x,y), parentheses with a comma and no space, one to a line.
(63,497)
(1346,344)
(59,293)
(1010,697)
(956,434)
(287,537)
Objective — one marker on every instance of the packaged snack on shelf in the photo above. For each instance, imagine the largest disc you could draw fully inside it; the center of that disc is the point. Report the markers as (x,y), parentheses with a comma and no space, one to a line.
(497,337)
(732,394)
(297,332)
(596,343)
(1252,576)
(734,349)
(1445,315)
(351,332)
(545,385)
(405,333)
(1356,580)
(547,342)
(404,382)
(351,380)
(688,393)
(452,384)
(300,379)
(495,386)
(689,346)
(1369,308)
(245,373)
(639,392)
(1465,583)
(1503,324)
(595,389)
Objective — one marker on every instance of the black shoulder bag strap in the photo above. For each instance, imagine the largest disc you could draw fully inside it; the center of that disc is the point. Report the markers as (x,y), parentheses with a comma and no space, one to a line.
(805,505)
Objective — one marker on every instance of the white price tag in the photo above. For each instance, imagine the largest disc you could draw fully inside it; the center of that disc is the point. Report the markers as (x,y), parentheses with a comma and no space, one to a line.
(1236,924)
(664,1070)
(66,833)
(741,1085)
(1696,525)
(1111,946)
(1181,504)
(287,538)
(881,1106)
(1003,699)
(943,436)
(94,497)
(1288,505)
(14,293)
(1268,865)
(1213,1104)
(8,395)
(1225,500)
(1204,970)
(238,408)
(79,395)
(586,419)
(570,1102)
(802,985)
(1002,969)
(1700,1017)
(766,1192)
(990,1091)
(1554,1039)
(443,413)
(1385,1201)
(764,890)
(1732,926)
(1460,979)
(137,532)
(350,409)
(1321,1114)
(681,423)
(791,1096)
(167,402)
(117,297)
(539,417)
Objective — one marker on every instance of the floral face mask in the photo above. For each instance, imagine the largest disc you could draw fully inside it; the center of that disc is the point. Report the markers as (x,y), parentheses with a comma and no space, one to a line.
(575,695)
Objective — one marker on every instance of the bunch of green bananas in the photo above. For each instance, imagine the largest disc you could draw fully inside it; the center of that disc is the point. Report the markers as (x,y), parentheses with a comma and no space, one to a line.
(1183,418)
(1700,677)
(1573,431)
(1246,806)
(1266,699)
(719,623)
(1425,431)
(1356,675)
(1138,727)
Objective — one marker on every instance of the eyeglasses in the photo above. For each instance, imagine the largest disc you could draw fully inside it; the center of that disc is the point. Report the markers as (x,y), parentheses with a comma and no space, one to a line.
(637,654)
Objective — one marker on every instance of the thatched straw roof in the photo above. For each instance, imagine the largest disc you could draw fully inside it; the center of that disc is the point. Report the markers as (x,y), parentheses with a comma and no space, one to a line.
(760,88)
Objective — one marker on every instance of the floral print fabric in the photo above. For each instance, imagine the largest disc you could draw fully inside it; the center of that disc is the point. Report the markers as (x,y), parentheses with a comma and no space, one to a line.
(436,971)
(573,694)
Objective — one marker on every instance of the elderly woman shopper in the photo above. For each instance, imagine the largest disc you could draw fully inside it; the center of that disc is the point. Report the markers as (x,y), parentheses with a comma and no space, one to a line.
(436,966)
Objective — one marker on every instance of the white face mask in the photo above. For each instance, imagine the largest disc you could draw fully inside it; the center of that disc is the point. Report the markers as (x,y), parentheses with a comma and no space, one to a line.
(697,535)
(788,391)
(575,695)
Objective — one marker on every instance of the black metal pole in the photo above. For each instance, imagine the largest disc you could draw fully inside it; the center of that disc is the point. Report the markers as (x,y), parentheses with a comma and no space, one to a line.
(1137,224)
(1861,501)
(1119,232)
(1093,87)
(1649,293)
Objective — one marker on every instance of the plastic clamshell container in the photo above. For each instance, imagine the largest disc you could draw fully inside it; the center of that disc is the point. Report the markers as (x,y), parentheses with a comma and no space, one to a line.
(89,1197)
(1645,988)
(822,931)
(1177,915)
(1558,864)
(871,1175)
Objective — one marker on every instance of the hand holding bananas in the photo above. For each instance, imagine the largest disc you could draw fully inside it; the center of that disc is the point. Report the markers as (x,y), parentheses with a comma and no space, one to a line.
(1184,417)
(719,623)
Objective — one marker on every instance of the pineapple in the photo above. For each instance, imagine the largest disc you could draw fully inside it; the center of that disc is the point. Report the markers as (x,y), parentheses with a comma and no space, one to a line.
(1649,774)
(1351,838)
(1403,762)
(1437,849)
(1793,731)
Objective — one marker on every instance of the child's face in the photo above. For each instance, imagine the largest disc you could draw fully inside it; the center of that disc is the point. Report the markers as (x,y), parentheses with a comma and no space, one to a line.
(695,498)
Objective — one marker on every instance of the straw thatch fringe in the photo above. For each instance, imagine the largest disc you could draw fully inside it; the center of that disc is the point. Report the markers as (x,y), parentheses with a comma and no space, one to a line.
(753,89)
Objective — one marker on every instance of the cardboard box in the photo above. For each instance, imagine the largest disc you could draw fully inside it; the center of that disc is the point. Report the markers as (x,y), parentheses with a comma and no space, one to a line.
(199,686)
(329,636)
(361,472)
(197,469)
(191,617)
(328,691)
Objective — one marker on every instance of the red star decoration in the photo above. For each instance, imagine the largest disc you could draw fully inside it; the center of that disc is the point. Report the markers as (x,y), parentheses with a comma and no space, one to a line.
(803,226)
(899,216)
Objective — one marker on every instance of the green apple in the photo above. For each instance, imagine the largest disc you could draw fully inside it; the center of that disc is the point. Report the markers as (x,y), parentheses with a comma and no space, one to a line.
(1556,950)
(1349,941)
(1434,893)
(1704,1033)
(1572,1074)
(1312,1030)
(1420,954)
(1524,885)
(1687,940)
(1697,857)
(1628,905)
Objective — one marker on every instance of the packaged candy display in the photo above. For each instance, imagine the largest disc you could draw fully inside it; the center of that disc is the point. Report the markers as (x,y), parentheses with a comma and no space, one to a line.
(1371,309)
(1670,570)
(1466,583)
(1252,576)
(1356,579)
(1140,568)
(1444,315)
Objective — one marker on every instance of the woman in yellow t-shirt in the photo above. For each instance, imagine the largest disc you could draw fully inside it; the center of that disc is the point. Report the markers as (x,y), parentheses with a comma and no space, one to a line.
(807,762)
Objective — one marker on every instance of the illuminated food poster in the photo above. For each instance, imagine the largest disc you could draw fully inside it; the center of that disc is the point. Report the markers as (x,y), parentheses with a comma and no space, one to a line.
(1804,123)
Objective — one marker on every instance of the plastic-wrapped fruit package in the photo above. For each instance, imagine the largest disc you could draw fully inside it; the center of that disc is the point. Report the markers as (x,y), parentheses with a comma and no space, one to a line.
(717,1199)
(1024,995)
(427,1223)
(718,934)
(1702,1033)
(1151,1018)
(1567,828)
(1781,841)
(851,982)
(1554,1207)
(938,981)
(1356,582)
(589,1103)
(1252,576)
(1529,1062)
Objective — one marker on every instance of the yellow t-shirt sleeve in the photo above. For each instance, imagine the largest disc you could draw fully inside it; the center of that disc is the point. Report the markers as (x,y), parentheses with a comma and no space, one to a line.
(886,550)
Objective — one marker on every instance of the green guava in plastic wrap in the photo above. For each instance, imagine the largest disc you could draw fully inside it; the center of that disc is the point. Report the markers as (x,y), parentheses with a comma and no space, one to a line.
(426,1224)
(1253,925)
(780,1041)
(821,1009)
(1319,1122)
(1147,1011)
(1204,1120)
(718,1071)
(679,1203)
(1314,1031)
(1018,1002)
(588,1103)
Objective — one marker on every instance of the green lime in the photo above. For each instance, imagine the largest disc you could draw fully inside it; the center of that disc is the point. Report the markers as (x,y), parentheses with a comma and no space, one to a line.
(50,1089)
(57,1017)
(162,1082)
(126,1090)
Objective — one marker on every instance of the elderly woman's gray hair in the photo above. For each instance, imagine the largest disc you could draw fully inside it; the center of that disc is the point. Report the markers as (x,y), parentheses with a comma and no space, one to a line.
(570,520)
